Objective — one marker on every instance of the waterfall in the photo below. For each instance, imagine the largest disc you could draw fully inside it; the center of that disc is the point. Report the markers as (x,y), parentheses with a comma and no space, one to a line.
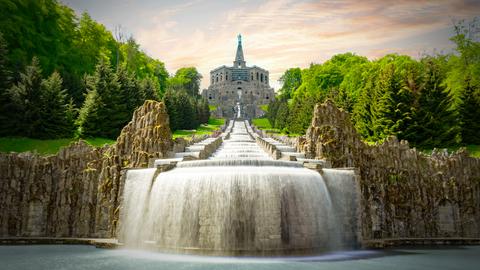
(239,201)
(135,201)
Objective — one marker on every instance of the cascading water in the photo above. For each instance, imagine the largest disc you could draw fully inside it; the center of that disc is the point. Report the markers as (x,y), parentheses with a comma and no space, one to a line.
(239,201)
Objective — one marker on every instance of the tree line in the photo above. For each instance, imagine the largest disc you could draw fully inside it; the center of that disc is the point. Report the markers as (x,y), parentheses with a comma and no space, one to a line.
(63,76)
(433,101)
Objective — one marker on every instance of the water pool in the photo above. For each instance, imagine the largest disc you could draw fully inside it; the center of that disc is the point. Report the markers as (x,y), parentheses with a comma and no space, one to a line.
(54,257)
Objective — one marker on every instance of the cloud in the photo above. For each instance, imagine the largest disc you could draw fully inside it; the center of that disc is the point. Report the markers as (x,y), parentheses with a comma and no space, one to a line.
(282,34)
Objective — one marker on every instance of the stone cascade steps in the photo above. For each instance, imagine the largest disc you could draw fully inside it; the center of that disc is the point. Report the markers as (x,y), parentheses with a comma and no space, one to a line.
(200,150)
(282,151)
(240,144)
(286,152)
(212,148)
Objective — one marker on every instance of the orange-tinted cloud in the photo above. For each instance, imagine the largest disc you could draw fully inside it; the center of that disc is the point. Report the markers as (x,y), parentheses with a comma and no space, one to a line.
(279,34)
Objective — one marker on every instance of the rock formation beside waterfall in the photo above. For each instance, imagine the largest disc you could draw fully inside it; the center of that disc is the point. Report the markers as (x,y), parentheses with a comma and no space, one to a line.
(76,192)
(405,193)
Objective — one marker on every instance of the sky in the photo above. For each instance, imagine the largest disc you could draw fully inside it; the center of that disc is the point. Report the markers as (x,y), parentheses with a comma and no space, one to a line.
(280,34)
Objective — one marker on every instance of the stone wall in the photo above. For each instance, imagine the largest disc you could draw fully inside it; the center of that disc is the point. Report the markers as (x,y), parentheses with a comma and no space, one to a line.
(76,192)
(405,193)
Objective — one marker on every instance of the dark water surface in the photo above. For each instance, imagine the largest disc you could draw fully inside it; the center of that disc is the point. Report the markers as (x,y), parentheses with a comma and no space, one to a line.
(87,257)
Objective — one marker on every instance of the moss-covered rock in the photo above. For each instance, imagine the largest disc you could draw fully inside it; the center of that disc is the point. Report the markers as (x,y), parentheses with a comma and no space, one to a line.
(405,193)
(77,192)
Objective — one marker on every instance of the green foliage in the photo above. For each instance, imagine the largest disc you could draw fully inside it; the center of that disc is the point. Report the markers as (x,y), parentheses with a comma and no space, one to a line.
(186,109)
(187,79)
(149,89)
(170,101)
(291,80)
(303,88)
(463,79)
(434,121)
(5,74)
(185,112)
(431,102)
(469,112)
(67,44)
(57,114)
(5,78)
(104,112)
(26,101)
(152,71)
(39,108)
(203,111)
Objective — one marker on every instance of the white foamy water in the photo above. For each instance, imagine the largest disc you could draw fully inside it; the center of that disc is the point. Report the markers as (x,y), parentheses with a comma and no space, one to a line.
(240,201)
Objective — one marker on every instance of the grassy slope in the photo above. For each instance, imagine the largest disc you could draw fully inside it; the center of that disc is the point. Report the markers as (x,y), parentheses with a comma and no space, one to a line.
(264,107)
(44,147)
(50,147)
(213,124)
(264,124)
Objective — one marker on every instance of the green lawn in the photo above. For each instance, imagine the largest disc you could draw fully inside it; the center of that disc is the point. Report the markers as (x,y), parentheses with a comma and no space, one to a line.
(264,124)
(212,107)
(204,129)
(43,147)
(50,147)
(264,107)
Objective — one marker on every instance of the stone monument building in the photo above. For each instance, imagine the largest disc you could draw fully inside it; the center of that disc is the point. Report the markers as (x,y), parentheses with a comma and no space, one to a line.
(239,91)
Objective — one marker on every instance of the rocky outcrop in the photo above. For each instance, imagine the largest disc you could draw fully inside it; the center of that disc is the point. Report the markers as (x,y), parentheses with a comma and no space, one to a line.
(405,193)
(76,192)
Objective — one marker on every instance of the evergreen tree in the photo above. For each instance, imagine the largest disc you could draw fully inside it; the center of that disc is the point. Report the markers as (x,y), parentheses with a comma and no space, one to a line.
(130,92)
(186,111)
(393,96)
(5,74)
(149,89)
(383,103)
(469,113)
(170,101)
(26,101)
(281,119)
(89,114)
(71,114)
(204,111)
(272,111)
(434,122)
(300,115)
(5,77)
(463,79)
(104,112)
(56,113)
(362,111)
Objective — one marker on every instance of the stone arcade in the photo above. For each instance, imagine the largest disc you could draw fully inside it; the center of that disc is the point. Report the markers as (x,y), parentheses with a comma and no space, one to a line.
(240,85)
